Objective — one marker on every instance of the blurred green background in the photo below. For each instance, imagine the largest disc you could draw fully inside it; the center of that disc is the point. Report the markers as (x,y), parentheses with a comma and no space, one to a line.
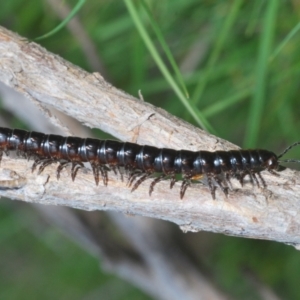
(239,62)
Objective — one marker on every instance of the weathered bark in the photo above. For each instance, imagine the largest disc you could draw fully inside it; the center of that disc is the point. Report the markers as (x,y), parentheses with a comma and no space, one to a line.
(48,80)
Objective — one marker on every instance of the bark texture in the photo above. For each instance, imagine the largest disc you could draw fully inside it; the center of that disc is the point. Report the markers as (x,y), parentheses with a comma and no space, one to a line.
(50,81)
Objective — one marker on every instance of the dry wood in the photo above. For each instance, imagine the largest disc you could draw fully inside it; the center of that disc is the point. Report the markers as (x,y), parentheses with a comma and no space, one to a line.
(48,80)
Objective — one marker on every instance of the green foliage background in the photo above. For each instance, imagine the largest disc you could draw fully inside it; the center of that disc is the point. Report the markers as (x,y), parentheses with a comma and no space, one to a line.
(240,66)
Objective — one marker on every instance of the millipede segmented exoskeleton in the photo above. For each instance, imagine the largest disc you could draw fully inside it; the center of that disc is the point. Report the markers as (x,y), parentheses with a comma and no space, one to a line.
(141,162)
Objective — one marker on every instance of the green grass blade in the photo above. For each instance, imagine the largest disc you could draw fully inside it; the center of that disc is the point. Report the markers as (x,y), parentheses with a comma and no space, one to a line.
(217,49)
(165,48)
(197,116)
(254,19)
(226,103)
(257,103)
(73,12)
(285,41)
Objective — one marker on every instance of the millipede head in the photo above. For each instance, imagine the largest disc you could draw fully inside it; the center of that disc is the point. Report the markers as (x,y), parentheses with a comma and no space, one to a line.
(267,159)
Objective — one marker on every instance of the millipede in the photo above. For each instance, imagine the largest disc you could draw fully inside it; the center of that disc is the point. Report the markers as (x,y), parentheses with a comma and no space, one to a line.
(141,162)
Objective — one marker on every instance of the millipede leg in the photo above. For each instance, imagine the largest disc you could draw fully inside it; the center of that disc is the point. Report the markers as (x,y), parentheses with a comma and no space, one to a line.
(29,155)
(251,177)
(113,167)
(227,178)
(223,188)
(103,170)
(44,164)
(241,177)
(36,163)
(121,172)
(117,170)
(255,178)
(154,182)
(95,169)
(133,176)
(273,172)
(60,167)
(211,187)
(75,167)
(140,180)
(128,169)
(173,180)
(262,180)
(185,183)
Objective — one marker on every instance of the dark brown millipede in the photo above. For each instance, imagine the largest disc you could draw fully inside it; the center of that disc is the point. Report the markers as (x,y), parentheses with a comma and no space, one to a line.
(141,161)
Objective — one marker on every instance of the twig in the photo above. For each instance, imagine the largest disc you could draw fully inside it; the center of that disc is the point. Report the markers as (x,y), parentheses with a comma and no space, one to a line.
(49,80)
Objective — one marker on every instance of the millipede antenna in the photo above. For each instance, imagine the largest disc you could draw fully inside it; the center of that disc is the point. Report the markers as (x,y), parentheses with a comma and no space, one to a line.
(289,161)
(285,151)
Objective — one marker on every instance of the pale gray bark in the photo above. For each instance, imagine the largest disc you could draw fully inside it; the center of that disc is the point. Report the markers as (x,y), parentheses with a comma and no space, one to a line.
(164,274)
(48,80)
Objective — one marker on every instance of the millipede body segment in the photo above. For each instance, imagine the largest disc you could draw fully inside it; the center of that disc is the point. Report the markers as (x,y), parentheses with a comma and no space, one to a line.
(140,162)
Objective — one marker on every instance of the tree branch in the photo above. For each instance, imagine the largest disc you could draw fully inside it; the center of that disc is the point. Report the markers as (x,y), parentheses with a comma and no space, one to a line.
(48,80)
